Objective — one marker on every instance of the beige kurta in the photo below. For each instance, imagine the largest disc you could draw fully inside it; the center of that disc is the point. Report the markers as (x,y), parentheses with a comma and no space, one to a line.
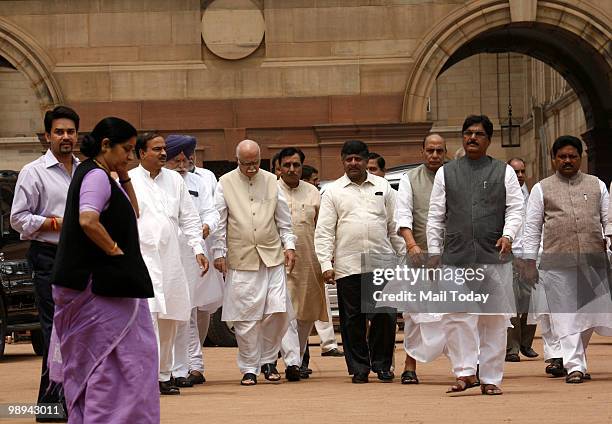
(305,283)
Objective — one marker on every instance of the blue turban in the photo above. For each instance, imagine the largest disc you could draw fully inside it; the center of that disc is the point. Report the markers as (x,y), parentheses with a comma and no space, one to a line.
(176,143)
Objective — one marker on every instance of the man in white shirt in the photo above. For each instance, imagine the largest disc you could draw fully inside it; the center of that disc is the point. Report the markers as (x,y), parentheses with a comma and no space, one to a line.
(209,177)
(356,223)
(165,209)
(253,244)
(205,292)
(568,212)
(474,215)
(520,335)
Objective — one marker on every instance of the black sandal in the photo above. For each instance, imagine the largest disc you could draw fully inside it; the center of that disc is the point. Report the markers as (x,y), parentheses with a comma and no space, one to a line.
(249,379)
(574,377)
(409,377)
(270,372)
(555,368)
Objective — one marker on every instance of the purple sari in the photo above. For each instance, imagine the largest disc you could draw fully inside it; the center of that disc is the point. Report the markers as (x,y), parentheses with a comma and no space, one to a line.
(104,351)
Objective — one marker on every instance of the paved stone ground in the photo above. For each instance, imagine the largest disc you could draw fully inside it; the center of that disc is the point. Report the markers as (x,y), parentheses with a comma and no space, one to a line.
(329,397)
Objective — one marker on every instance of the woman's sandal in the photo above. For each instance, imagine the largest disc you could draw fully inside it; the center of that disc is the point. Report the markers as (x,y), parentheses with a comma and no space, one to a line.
(574,377)
(463,383)
(490,390)
(249,379)
(409,377)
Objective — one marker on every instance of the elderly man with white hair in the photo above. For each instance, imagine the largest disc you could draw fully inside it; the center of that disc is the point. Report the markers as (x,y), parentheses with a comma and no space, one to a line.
(253,230)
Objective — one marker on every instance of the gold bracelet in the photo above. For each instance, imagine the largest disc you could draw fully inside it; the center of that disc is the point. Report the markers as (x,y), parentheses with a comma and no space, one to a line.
(113,249)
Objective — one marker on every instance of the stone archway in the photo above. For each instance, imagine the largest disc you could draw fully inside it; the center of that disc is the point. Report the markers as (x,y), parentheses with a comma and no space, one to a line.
(24,53)
(572,38)
(459,28)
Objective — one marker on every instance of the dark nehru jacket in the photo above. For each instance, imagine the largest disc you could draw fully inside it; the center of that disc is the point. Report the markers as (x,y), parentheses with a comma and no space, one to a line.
(475,211)
(78,257)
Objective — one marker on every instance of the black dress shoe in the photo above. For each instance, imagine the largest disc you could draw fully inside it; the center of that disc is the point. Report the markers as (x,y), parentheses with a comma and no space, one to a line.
(304,375)
(167,388)
(196,377)
(333,352)
(385,376)
(181,382)
(529,352)
(513,357)
(292,373)
(360,378)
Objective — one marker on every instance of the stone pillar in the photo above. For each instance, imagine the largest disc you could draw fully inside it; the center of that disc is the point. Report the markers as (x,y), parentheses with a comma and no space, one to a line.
(599,145)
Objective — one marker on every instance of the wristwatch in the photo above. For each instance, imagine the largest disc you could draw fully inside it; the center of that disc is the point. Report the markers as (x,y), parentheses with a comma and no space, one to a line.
(510,239)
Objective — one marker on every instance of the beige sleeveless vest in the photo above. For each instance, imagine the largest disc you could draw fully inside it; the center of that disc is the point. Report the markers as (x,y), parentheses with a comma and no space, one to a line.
(421,181)
(252,235)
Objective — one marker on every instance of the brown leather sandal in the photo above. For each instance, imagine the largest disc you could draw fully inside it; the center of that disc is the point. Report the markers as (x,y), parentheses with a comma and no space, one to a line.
(463,383)
(490,390)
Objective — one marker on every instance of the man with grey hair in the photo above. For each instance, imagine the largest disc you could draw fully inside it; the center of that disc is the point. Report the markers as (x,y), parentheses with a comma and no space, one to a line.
(254,227)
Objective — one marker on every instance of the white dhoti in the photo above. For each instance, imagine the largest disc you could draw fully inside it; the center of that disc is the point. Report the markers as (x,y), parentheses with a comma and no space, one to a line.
(573,316)
(424,339)
(258,304)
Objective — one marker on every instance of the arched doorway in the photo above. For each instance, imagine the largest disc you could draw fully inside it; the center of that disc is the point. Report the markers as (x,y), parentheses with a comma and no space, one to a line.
(570,38)
(27,89)
(25,55)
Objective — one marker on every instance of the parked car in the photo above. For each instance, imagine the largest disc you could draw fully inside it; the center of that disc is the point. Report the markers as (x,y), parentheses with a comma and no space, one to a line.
(18,312)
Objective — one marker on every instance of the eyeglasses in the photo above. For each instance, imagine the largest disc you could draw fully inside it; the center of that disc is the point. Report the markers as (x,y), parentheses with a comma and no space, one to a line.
(477,134)
(253,164)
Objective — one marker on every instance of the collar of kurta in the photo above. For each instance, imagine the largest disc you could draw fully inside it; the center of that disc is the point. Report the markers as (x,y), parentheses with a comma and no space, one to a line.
(346,181)
(148,174)
(51,160)
(285,186)
(247,179)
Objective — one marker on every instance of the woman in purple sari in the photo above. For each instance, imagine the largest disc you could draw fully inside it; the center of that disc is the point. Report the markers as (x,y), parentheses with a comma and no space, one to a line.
(103,346)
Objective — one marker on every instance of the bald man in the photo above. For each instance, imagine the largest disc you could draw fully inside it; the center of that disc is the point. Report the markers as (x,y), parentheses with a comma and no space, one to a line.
(254,242)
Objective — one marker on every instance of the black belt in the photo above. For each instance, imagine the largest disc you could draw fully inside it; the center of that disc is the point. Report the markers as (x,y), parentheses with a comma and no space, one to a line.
(43,245)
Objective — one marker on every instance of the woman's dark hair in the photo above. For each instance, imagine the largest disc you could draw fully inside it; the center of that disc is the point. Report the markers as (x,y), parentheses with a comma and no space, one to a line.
(566,140)
(479,119)
(58,113)
(355,147)
(115,129)
(142,140)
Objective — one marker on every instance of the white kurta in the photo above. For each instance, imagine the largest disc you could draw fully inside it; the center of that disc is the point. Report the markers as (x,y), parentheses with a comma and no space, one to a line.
(210,181)
(165,207)
(561,283)
(249,295)
(206,292)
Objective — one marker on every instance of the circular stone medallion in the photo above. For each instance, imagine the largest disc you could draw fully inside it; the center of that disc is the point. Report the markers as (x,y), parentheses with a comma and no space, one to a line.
(232,29)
